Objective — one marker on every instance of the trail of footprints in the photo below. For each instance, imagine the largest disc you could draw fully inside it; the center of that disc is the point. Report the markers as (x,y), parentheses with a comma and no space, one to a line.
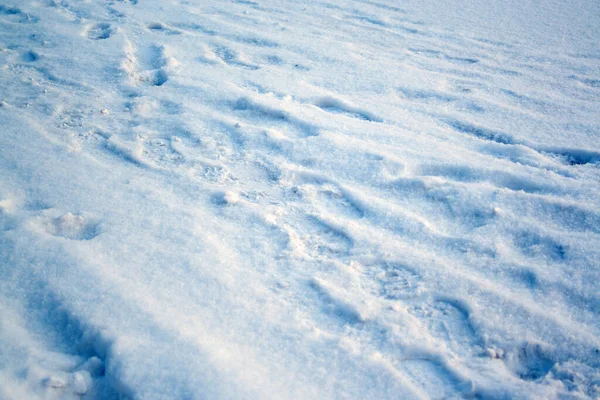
(444,321)
(447,320)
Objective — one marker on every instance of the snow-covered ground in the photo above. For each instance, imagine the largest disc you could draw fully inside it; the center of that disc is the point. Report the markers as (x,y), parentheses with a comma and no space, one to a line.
(285,199)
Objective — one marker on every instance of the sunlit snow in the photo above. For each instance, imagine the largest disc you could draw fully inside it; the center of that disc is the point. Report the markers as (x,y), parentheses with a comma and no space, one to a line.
(285,199)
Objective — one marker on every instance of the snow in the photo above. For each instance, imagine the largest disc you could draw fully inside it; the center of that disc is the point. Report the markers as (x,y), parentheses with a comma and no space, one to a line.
(352,199)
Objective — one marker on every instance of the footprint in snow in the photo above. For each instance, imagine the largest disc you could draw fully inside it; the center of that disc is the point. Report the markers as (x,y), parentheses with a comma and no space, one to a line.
(536,245)
(399,282)
(159,152)
(437,380)
(329,197)
(333,303)
(100,31)
(159,27)
(337,200)
(29,56)
(225,198)
(274,60)
(15,14)
(157,78)
(275,117)
(233,58)
(321,238)
(338,106)
(449,321)
(149,64)
(530,361)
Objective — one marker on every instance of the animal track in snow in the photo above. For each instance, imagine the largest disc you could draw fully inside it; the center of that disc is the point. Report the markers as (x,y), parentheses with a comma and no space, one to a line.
(100,31)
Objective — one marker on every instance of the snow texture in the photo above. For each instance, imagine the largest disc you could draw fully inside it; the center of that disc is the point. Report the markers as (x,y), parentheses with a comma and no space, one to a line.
(283,199)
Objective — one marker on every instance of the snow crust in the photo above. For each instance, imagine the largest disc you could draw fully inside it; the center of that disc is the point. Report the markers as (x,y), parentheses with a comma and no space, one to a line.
(280,199)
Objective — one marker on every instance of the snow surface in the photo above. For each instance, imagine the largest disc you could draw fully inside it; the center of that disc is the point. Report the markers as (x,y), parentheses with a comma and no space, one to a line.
(284,199)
